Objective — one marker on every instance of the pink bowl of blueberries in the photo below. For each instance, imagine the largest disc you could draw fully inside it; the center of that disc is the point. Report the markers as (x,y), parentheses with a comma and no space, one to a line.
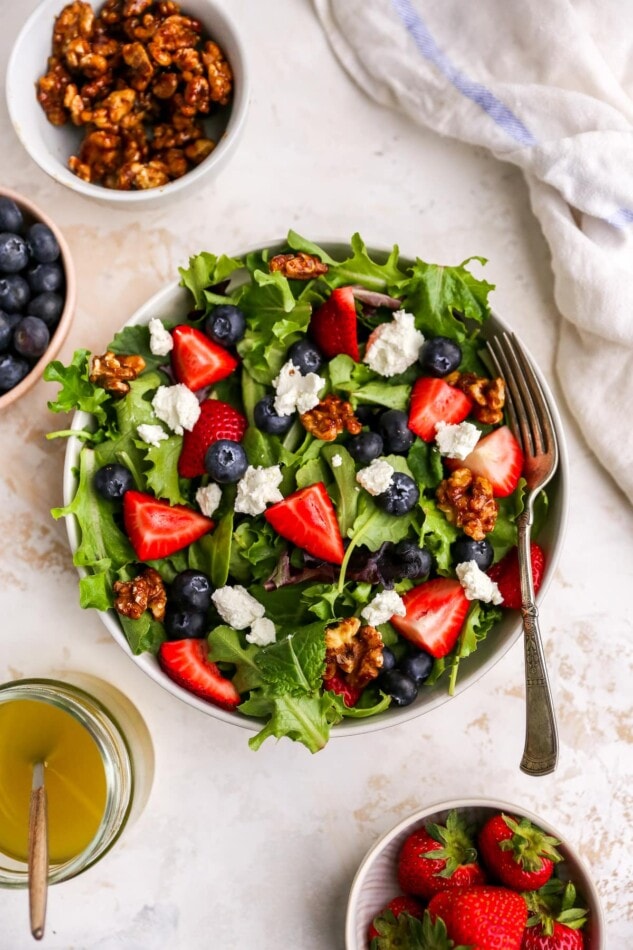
(37,294)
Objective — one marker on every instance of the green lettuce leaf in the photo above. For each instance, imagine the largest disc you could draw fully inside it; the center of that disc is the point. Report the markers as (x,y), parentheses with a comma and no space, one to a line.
(295,663)
(77,392)
(134,340)
(205,270)
(304,718)
(144,635)
(364,386)
(425,463)
(161,472)
(437,535)
(225,646)
(359,268)
(343,492)
(95,590)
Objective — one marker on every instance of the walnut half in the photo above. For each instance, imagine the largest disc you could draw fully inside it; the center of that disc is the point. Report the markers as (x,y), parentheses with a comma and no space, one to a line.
(488,395)
(331,417)
(353,652)
(299,266)
(468,503)
(112,371)
(145,592)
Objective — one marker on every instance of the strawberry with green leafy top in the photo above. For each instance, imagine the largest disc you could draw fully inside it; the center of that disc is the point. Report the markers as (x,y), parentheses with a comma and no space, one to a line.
(396,928)
(554,922)
(439,857)
(518,853)
(382,922)
(482,917)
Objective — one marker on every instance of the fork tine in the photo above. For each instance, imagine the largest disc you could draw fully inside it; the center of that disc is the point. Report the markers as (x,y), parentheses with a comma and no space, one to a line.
(514,422)
(527,397)
(544,415)
(523,430)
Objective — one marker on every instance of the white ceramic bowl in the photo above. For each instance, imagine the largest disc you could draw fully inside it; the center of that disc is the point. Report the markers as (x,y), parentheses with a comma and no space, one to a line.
(174,302)
(376,882)
(51,146)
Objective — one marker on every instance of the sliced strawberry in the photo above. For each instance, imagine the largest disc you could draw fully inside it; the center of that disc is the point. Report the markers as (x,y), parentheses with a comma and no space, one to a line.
(433,401)
(158,529)
(197,361)
(186,663)
(498,457)
(307,518)
(436,611)
(334,325)
(337,684)
(217,420)
(506,575)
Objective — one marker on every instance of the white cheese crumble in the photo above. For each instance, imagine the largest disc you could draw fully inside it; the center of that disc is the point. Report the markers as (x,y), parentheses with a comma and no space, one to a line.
(337,460)
(208,498)
(456,441)
(236,606)
(295,392)
(257,488)
(177,407)
(383,607)
(376,477)
(393,347)
(262,632)
(160,339)
(477,585)
(153,435)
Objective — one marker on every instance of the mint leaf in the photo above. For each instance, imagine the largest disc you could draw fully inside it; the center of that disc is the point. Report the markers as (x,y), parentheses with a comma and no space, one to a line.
(205,270)
(161,473)
(295,663)
(225,647)
(77,392)
(434,293)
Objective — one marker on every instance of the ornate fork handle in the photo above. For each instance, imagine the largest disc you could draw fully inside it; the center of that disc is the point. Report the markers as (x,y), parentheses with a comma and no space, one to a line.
(541,737)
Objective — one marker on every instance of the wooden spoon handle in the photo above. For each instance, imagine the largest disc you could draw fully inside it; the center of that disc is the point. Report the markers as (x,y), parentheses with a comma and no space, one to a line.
(38,861)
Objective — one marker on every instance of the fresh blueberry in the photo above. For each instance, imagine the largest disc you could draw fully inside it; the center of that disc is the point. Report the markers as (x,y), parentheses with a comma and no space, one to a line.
(44,278)
(112,481)
(6,331)
(184,624)
(417,667)
(10,216)
(12,370)
(400,687)
(225,324)
(394,428)
(365,447)
(42,244)
(466,549)
(306,357)
(366,415)
(14,253)
(31,337)
(267,419)
(414,562)
(401,496)
(48,307)
(15,293)
(439,356)
(225,461)
(191,590)
(388,661)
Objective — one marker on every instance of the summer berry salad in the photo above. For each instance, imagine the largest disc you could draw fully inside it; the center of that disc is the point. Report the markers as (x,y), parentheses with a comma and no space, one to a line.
(499,886)
(295,497)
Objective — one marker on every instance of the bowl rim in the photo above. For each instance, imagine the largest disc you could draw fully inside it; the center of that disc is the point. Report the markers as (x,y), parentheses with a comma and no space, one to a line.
(148,663)
(61,174)
(68,312)
(426,813)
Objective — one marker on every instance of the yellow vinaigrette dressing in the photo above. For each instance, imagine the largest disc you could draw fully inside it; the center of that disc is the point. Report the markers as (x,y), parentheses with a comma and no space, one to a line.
(33,731)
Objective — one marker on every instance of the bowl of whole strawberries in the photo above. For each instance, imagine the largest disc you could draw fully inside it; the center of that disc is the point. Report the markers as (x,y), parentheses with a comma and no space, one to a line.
(474,873)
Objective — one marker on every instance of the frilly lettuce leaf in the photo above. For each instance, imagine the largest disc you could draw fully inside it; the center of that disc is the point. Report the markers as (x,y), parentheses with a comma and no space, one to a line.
(77,391)
(161,470)
(359,268)
(305,718)
(206,270)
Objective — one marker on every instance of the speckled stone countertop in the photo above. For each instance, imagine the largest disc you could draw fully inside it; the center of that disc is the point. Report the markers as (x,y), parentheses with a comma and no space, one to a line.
(237,849)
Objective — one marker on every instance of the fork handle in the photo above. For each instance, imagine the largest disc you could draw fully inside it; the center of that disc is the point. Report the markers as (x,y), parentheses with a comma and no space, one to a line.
(541,738)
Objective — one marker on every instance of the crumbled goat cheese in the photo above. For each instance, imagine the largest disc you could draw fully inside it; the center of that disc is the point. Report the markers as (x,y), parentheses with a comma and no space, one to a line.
(262,632)
(376,477)
(208,498)
(383,607)
(295,392)
(236,606)
(456,441)
(177,407)
(160,339)
(393,347)
(477,585)
(257,488)
(337,460)
(153,435)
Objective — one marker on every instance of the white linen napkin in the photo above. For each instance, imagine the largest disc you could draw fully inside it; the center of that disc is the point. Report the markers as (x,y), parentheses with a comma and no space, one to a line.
(542,85)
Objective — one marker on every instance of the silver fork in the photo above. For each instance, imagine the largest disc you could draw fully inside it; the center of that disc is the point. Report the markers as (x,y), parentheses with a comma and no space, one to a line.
(531,422)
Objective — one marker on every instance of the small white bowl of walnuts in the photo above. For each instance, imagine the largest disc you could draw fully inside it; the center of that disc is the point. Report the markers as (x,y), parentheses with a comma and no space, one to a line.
(128,101)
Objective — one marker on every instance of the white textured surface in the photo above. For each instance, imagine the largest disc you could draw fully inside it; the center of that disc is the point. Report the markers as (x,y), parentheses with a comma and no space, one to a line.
(238,849)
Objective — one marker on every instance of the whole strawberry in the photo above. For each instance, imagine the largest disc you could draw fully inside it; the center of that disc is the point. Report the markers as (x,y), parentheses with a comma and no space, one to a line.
(561,938)
(439,857)
(506,575)
(382,925)
(517,853)
(555,922)
(405,931)
(482,917)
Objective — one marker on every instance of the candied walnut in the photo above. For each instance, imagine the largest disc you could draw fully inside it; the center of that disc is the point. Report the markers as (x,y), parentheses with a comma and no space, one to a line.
(145,592)
(98,87)
(196,94)
(189,62)
(175,32)
(113,109)
(113,371)
(100,151)
(141,69)
(80,169)
(183,131)
(175,161)
(110,13)
(331,417)
(141,175)
(75,21)
(299,266)
(135,146)
(164,86)
(488,395)
(353,651)
(468,503)
(136,7)
(219,73)
(51,91)
(197,151)
(76,105)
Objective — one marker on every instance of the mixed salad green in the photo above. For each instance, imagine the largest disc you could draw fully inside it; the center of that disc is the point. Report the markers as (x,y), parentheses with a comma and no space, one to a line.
(282,682)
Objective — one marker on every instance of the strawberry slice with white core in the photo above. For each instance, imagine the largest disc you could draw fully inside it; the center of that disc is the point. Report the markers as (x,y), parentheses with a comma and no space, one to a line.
(334,325)
(186,663)
(157,529)
(433,401)
(497,457)
(308,519)
(197,361)
(436,611)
